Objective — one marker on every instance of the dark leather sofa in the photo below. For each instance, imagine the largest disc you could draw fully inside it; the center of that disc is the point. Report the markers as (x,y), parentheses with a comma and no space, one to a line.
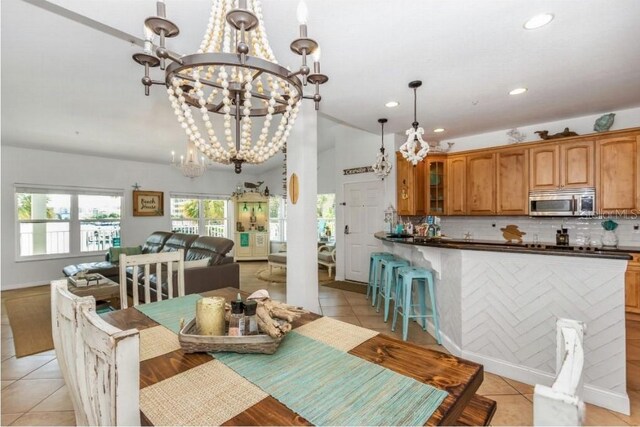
(221,272)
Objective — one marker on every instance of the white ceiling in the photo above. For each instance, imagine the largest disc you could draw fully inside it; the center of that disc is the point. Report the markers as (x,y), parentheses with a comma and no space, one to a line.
(69,87)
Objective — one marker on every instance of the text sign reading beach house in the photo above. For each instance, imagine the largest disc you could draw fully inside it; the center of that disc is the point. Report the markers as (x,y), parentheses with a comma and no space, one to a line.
(148,203)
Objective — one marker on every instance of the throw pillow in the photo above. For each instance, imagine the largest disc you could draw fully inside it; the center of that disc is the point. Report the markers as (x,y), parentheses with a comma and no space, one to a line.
(114,253)
(204,262)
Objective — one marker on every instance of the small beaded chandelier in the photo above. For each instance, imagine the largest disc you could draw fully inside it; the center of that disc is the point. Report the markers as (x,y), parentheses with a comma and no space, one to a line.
(382,166)
(234,74)
(415,148)
(191,167)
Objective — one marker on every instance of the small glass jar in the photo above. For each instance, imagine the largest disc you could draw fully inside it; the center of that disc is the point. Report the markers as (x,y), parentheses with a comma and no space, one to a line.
(236,321)
(250,318)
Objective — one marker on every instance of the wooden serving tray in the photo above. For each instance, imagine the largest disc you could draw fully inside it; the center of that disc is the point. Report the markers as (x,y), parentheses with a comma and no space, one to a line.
(192,342)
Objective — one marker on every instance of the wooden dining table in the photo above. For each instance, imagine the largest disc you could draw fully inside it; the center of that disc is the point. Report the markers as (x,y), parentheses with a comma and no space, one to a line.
(458,377)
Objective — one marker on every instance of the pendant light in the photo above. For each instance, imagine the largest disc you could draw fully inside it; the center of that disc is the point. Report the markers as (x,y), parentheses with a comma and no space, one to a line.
(382,166)
(414,149)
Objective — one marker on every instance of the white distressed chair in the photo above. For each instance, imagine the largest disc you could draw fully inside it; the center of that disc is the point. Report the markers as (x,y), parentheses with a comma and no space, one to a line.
(108,370)
(146,260)
(64,327)
(561,404)
(327,257)
(99,362)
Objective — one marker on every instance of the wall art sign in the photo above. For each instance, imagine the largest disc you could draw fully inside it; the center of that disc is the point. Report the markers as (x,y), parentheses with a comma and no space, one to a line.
(354,171)
(148,203)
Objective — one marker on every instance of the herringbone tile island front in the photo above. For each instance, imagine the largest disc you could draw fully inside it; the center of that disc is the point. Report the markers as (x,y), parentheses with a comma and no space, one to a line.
(33,392)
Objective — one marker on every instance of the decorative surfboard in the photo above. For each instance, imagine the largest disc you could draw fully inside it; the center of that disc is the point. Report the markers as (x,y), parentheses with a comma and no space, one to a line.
(294,188)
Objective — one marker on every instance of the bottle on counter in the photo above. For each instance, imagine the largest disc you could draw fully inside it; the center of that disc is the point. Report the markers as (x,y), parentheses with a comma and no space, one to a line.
(236,321)
(250,318)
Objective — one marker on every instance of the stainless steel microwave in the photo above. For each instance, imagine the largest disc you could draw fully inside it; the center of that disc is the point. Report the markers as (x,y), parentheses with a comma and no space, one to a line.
(568,202)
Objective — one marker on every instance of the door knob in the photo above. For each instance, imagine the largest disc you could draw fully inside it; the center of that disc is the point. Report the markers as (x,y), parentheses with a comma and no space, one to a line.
(346,229)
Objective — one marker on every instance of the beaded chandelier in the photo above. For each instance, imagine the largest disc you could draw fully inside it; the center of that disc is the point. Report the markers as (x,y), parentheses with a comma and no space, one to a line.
(382,166)
(235,75)
(415,148)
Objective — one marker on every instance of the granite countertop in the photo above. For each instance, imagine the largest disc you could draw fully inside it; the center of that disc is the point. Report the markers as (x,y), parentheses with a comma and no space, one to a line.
(622,253)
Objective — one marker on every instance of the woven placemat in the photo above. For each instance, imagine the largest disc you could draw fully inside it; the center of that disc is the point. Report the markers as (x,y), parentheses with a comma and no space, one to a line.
(157,341)
(209,394)
(341,335)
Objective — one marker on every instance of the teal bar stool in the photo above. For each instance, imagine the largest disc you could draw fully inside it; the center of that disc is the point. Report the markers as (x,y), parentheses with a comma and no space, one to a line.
(388,282)
(406,278)
(375,272)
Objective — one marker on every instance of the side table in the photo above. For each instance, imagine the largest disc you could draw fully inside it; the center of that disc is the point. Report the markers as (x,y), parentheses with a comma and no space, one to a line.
(108,291)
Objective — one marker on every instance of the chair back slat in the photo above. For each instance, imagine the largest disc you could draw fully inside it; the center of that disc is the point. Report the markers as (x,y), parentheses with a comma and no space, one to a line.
(561,404)
(159,260)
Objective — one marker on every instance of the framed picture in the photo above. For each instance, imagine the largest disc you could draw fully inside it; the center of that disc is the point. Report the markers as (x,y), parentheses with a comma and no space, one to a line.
(148,203)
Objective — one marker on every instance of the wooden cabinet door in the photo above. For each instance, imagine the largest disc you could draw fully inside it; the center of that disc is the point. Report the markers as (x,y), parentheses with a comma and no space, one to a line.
(410,186)
(481,184)
(632,288)
(577,164)
(512,189)
(260,244)
(456,186)
(544,167)
(435,176)
(617,174)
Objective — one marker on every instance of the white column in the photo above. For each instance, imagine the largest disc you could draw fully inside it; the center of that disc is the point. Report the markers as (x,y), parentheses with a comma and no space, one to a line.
(302,246)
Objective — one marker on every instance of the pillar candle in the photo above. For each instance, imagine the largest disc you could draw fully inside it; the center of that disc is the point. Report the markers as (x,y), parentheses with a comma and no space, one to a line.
(210,316)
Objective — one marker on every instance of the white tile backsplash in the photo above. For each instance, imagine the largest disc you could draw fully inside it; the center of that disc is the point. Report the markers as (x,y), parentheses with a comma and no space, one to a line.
(488,228)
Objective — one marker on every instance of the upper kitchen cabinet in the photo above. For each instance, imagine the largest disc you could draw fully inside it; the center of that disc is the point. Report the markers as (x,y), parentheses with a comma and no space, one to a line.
(410,186)
(435,196)
(562,165)
(481,184)
(456,185)
(617,181)
(512,190)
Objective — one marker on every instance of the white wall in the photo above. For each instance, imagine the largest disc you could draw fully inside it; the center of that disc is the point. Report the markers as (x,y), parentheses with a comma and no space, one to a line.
(581,125)
(26,166)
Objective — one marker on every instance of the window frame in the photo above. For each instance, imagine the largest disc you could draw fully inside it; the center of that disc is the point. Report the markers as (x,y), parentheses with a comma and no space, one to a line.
(75,247)
(202,220)
(281,219)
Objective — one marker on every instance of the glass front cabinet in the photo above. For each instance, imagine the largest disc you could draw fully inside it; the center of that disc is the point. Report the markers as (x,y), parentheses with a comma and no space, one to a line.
(435,186)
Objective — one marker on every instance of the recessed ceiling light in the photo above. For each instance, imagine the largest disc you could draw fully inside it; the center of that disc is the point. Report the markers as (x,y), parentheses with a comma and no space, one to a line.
(438,130)
(538,21)
(392,104)
(518,91)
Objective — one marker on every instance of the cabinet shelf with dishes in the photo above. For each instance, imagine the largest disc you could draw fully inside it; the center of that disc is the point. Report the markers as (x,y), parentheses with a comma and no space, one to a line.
(251,237)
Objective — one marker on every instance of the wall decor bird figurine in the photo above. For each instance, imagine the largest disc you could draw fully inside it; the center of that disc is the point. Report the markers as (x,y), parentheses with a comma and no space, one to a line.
(511,232)
(604,123)
(544,134)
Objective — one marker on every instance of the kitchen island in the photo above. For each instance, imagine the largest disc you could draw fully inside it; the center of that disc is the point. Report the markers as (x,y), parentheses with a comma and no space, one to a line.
(498,305)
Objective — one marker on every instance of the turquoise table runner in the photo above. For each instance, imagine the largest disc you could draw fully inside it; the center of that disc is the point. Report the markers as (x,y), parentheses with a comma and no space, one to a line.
(169,312)
(324,385)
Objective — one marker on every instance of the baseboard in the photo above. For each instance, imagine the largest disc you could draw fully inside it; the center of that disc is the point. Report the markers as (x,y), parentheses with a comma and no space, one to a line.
(23,285)
(591,394)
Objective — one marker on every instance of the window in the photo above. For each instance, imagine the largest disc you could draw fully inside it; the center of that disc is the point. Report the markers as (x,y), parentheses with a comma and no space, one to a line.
(202,215)
(55,222)
(277,219)
(326,218)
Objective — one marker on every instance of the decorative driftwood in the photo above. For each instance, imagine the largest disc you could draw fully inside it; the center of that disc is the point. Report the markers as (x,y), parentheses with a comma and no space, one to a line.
(192,342)
(274,318)
(544,134)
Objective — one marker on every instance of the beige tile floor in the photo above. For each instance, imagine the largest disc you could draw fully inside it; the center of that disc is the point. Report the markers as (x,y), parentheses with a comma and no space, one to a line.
(33,392)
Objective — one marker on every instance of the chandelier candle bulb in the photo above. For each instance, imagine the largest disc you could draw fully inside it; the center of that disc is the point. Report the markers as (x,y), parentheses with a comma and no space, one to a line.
(302,13)
(210,316)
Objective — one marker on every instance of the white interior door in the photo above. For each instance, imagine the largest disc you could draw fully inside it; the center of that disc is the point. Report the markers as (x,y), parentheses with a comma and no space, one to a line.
(364,215)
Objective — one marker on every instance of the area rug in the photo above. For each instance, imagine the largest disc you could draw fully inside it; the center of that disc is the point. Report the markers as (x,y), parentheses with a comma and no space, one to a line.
(279,275)
(30,320)
(360,288)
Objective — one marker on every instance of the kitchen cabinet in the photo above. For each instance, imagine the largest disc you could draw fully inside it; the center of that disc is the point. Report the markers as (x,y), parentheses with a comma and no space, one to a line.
(456,185)
(562,165)
(251,237)
(435,197)
(481,183)
(617,180)
(512,189)
(632,287)
(410,182)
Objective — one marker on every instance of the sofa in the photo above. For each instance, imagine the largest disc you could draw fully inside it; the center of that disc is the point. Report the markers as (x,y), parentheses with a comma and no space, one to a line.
(220,272)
